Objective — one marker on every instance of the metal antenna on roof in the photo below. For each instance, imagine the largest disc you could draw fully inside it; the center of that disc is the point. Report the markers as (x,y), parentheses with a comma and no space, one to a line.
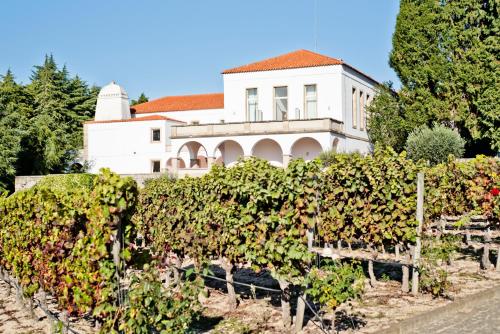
(315,25)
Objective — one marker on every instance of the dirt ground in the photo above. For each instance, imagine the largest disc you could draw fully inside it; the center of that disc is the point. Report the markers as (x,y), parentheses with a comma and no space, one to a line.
(260,312)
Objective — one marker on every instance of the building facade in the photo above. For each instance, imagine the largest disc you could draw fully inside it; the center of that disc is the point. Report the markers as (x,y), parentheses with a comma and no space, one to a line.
(291,106)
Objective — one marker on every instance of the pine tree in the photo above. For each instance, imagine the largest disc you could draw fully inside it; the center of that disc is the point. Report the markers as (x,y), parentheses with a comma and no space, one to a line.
(142,99)
(13,108)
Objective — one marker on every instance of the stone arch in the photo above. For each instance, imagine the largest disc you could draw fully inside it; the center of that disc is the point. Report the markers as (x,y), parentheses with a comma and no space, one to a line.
(335,145)
(195,153)
(180,163)
(269,150)
(228,152)
(306,148)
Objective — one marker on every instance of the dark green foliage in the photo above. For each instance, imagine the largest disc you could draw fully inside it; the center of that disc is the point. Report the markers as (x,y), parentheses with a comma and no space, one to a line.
(41,122)
(434,145)
(386,122)
(142,99)
(447,56)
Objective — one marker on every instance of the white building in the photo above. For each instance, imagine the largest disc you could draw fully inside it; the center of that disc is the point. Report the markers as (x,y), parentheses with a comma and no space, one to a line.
(293,105)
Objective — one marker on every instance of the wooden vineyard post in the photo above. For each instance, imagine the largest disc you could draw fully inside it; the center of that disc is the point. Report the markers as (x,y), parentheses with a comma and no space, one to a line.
(418,242)
(115,251)
(301,305)
(301,308)
(405,284)
(65,322)
(498,259)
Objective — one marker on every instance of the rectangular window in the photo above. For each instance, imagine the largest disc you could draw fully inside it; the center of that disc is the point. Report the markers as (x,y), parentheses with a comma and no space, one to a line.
(252,105)
(155,166)
(311,101)
(155,135)
(280,103)
(362,110)
(354,108)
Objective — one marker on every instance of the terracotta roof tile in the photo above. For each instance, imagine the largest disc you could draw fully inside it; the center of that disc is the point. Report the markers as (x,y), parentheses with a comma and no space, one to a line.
(295,59)
(138,119)
(181,103)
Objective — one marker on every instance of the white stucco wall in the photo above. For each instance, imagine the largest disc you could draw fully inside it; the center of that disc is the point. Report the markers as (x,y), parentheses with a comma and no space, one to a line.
(126,147)
(328,81)
(352,79)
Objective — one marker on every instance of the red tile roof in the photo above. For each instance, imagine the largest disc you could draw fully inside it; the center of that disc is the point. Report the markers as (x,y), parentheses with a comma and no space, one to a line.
(181,103)
(138,119)
(295,59)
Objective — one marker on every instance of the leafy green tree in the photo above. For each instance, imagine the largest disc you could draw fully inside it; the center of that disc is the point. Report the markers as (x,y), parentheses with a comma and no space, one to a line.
(446,54)
(41,123)
(54,133)
(386,121)
(13,108)
(142,99)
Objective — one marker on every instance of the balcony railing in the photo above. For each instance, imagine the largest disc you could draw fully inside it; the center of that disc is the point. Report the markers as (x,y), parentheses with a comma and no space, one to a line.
(257,128)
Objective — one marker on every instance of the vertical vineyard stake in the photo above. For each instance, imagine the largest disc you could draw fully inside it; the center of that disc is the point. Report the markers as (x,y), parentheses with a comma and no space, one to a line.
(65,322)
(116,249)
(418,242)
(405,284)
(498,259)
(301,305)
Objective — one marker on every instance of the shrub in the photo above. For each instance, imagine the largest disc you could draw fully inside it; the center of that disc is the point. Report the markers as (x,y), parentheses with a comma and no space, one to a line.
(153,308)
(464,187)
(434,145)
(67,182)
(334,283)
(60,241)
(369,198)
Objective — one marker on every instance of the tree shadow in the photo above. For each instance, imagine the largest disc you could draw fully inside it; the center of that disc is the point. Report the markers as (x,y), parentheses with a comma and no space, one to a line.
(247,276)
(205,324)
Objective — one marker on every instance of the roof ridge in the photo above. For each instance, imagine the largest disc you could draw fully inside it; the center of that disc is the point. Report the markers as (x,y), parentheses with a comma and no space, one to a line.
(174,96)
(300,58)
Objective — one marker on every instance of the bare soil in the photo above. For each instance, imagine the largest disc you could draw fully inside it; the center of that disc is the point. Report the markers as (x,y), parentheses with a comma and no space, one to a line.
(260,311)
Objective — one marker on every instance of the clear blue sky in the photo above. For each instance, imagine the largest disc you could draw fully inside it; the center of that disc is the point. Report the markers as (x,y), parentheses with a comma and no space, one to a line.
(180,47)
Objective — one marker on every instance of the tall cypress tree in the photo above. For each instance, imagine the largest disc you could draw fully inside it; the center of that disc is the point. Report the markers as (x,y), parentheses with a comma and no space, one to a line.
(446,54)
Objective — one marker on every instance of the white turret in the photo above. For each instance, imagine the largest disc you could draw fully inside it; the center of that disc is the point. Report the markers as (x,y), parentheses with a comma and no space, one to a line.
(112,103)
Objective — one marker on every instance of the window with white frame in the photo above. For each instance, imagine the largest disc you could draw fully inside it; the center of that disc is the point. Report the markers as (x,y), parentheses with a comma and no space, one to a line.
(354,108)
(155,166)
(311,101)
(155,135)
(362,110)
(252,105)
(280,103)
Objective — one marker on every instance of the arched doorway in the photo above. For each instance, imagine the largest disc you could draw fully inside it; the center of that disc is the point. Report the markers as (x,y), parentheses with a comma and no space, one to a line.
(195,153)
(306,148)
(270,150)
(335,145)
(228,152)
(180,163)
